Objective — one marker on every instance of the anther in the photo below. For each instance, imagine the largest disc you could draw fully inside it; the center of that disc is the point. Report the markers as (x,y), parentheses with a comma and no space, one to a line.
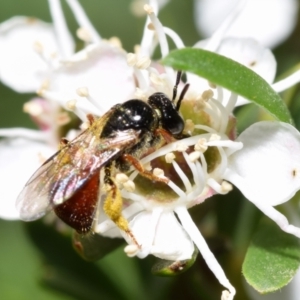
(170,157)
(131,250)
(148,9)
(143,62)
(181,147)
(158,172)
(71,104)
(82,92)
(207,95)
(131,59)
(226,186)
(194,156)
(214,137)
(83,34)
(201,145)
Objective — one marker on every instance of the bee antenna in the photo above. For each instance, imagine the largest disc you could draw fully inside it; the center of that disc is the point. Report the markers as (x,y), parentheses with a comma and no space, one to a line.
(183,92)
(178,77)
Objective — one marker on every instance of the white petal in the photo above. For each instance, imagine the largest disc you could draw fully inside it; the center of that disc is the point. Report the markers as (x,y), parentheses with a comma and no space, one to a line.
(267,168)
(170,240)
(251,54)
(21,67)
(19,158)
(268,21)
(102,69)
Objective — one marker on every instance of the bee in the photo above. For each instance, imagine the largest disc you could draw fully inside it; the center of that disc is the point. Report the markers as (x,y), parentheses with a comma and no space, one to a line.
(69,181)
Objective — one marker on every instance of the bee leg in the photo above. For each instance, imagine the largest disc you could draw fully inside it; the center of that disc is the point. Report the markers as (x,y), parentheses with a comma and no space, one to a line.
(139,167)
(114,203)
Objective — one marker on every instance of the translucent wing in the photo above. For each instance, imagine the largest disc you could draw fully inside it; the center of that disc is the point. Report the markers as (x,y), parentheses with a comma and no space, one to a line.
(69,169)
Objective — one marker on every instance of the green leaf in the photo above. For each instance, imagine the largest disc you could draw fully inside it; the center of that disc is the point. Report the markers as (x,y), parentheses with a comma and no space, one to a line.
(272,258)
(231,75)
(65,271)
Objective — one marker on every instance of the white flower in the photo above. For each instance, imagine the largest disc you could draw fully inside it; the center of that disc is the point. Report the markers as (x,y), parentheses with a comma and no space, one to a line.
(215,159)
(268,21)
(198,166)
(39,56)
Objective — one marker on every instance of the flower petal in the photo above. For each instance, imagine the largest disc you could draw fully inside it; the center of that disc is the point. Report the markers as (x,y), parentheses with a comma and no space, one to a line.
(19,158)
(267,168)
(170,240)
(21,66)
(281,16)
(102,69)
(251,54)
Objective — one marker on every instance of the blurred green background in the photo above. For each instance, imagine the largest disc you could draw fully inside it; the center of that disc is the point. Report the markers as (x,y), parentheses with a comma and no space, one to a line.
(37,262)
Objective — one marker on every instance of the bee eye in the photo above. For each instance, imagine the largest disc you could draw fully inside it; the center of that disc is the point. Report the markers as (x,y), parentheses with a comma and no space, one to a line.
(169,116)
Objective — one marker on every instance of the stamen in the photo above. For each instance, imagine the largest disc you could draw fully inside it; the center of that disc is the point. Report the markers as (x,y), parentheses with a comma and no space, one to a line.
(38,47)
(140,94)
(223,115)
(214,137)
(226,186)
(81,108)
(83,20)
(115,41)
(231,102)
(84,35)
(201,174)
(65,40)
(220,93)
(181,147)
(33,108)
(219,188)
(71,104)
(207,95)
(158,172)
(201,145)
(170,157)
(25,133)
(195,235)
(131,250)
(164,47)
(214,114)
(143,62)
(174,37)
(63,118)
(82,92)
(131,59)
(148,9)
(287,82)
(142,81)
(192,167)
(194,156)
(183,177)
(177,189)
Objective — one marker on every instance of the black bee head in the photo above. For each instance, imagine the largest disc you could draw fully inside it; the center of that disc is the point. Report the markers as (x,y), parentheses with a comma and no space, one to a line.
(168,114)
